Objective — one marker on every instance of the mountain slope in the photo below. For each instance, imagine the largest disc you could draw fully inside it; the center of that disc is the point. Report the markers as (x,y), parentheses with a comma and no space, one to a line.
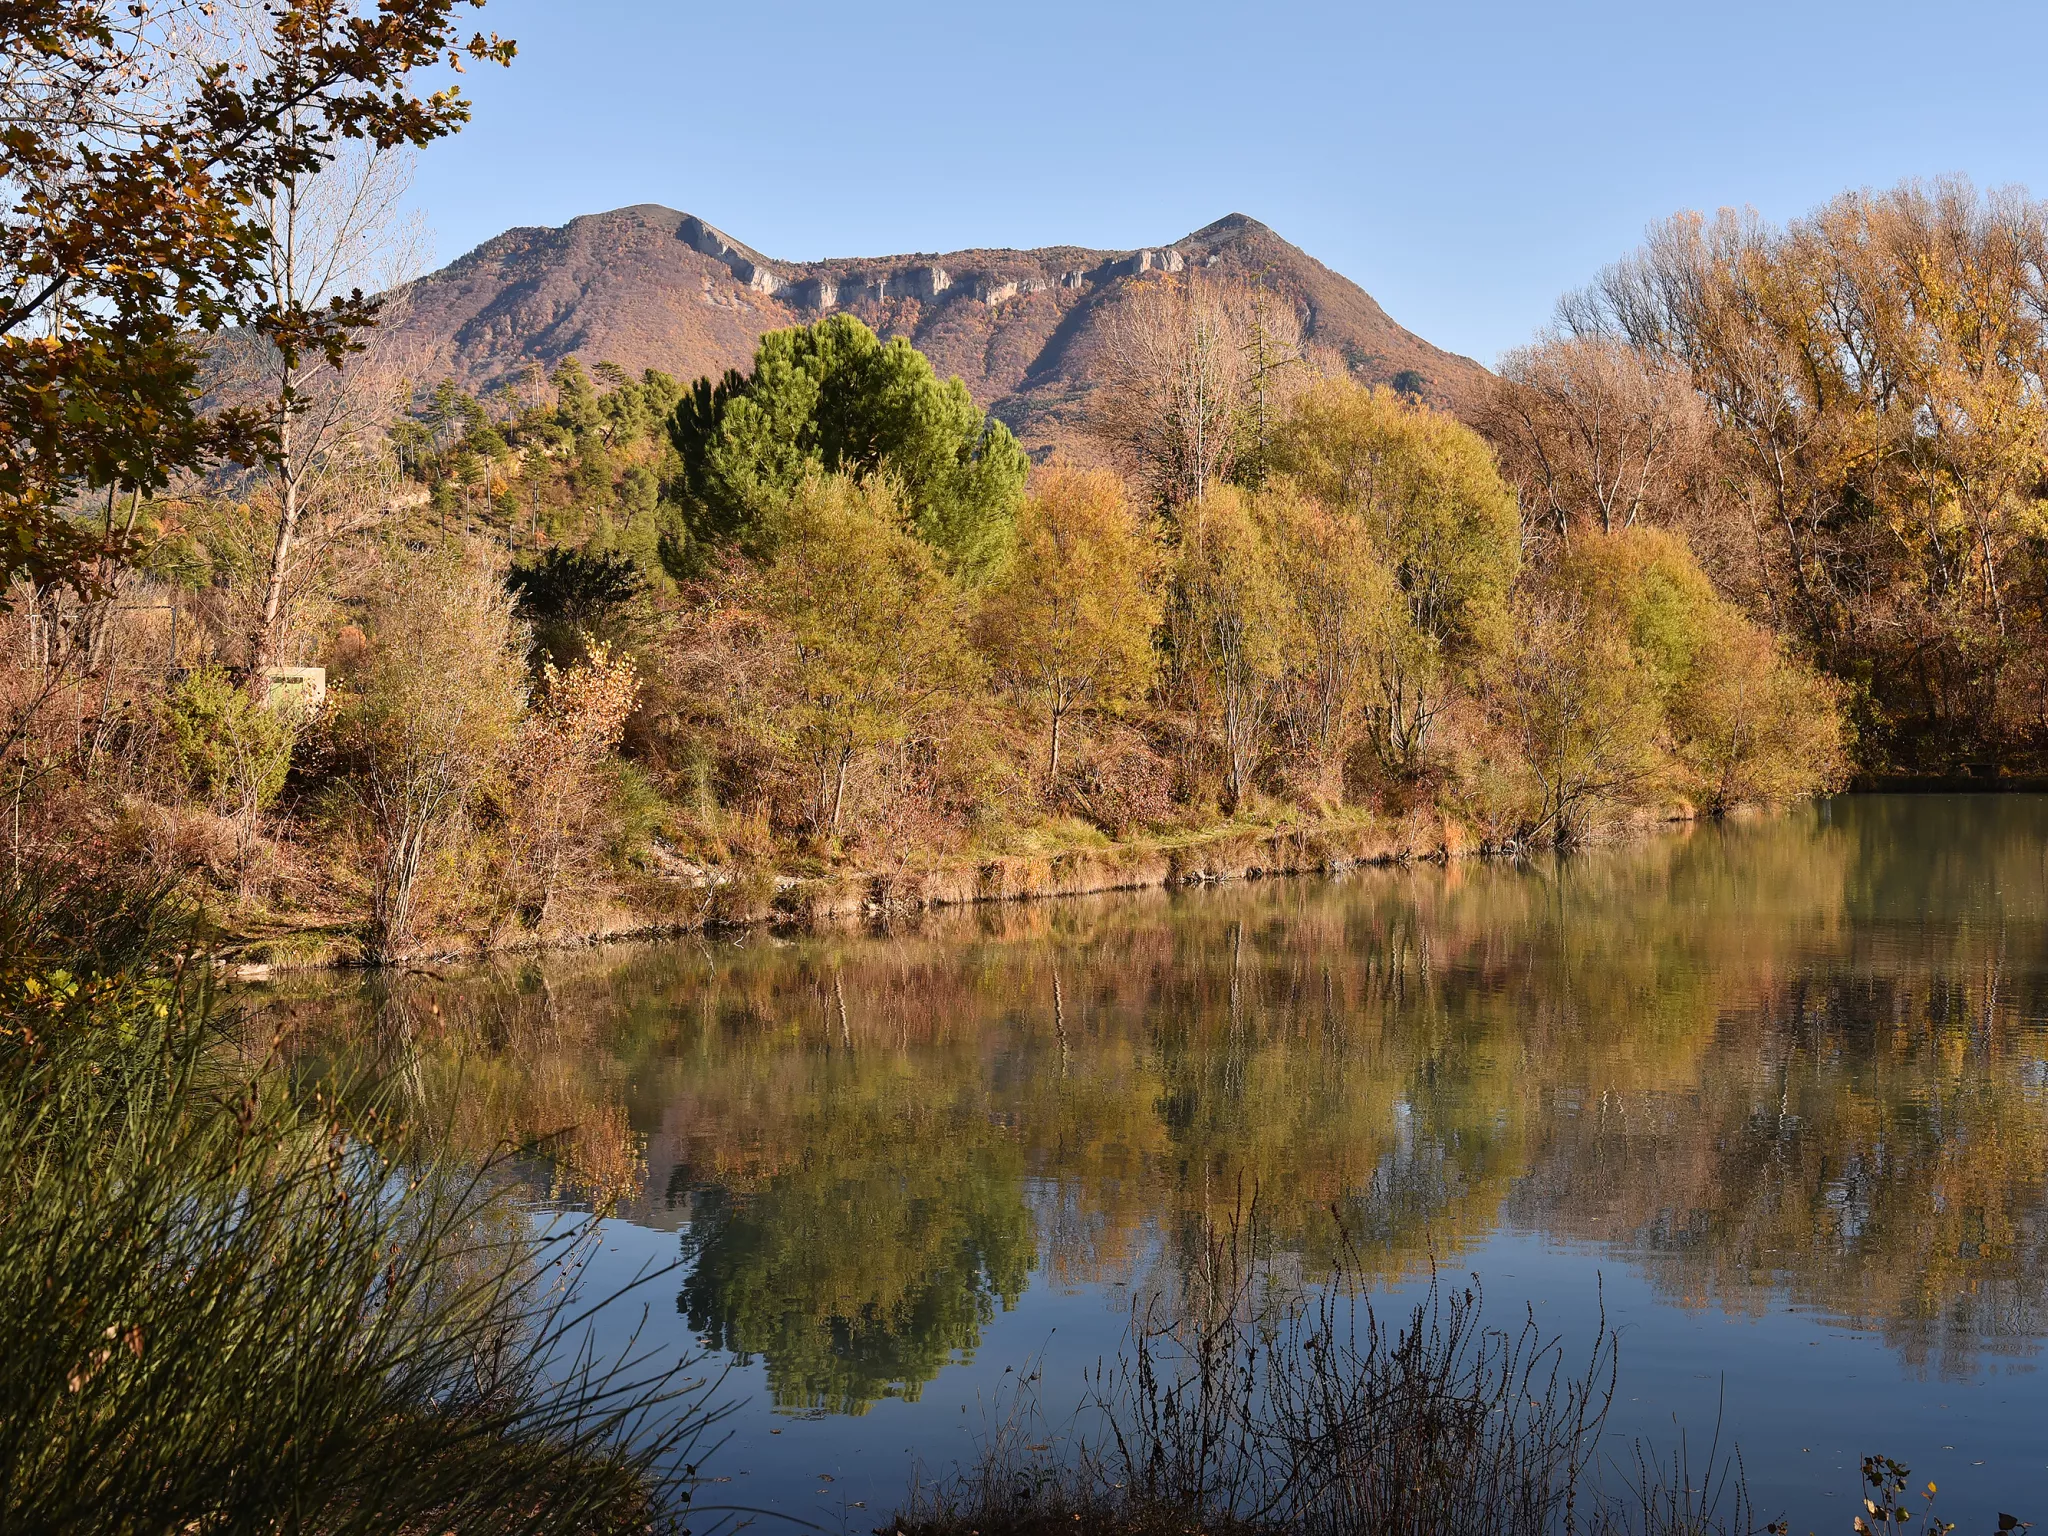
(647,287)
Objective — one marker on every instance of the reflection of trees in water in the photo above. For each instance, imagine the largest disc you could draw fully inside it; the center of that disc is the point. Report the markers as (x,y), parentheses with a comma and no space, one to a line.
(1746,1055)
(489,1060)
(858,1277)
(1868,1134)
(1860,1144)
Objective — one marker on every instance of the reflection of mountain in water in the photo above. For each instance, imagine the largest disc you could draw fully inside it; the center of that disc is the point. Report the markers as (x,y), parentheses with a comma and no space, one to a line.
(1801,1060)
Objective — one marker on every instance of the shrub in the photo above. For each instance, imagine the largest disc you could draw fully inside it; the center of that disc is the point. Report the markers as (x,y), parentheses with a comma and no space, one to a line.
(233,750)
(426,721)
(557,801)
(1231,1410)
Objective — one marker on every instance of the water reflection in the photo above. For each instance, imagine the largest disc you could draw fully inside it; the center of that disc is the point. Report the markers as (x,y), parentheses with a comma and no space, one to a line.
(1799,1061)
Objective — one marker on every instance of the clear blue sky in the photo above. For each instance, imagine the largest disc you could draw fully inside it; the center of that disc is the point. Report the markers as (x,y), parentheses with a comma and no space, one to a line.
(1465,163)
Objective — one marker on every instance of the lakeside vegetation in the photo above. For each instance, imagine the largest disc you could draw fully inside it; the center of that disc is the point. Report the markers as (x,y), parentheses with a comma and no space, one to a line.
(237,1301)
(234,1300)
(634,656)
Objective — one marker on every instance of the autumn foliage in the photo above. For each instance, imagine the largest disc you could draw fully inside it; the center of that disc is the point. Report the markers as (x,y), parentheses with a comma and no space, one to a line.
(629,654)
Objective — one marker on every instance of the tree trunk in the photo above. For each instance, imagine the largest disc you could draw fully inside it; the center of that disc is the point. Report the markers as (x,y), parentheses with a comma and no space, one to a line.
(263,646)
(839,790)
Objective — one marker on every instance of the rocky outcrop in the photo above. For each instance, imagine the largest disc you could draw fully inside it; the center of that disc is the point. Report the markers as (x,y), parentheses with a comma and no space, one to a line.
(814,292)
(926,282)
(746,266)
(1168,260)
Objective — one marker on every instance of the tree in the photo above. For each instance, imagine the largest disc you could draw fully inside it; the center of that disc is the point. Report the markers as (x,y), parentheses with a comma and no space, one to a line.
(1347,612)
(574,596)
(1231,616)
(1580,709)
(576,720)
(1424,489)
(1631,676)
(1873,372)
(629,411)
(832,399)
(1595,433)
(1754,725)
(326,234)
(1069,621)
(1270,370)
(866,635)
(575,398)
(136,178)
(1743,722)
(425,721)
(1191,376)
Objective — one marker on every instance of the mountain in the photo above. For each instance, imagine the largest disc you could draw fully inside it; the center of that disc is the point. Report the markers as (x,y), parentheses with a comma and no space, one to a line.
(647,287)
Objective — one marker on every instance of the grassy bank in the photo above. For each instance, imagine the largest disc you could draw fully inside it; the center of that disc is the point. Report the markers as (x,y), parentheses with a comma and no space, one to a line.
(1066,861)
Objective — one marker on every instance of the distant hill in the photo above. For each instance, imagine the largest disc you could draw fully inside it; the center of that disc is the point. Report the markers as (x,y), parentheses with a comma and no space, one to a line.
(647,287)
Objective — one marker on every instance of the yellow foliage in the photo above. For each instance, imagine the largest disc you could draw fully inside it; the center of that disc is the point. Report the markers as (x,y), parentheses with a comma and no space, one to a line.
(868,639)
(1069,622)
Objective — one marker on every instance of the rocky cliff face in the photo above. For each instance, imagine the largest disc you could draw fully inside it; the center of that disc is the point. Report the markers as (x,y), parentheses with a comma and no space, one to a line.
(647,287)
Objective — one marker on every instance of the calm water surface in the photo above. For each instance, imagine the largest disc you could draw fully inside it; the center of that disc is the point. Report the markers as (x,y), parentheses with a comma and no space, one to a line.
(1777,1092)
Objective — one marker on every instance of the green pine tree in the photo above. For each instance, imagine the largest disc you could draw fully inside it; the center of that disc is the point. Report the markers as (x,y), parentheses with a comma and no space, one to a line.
(833,398)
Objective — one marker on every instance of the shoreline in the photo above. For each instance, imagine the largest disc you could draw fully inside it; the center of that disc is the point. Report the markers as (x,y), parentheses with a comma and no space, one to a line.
(1990,782)
(1220,856)
(1216,856)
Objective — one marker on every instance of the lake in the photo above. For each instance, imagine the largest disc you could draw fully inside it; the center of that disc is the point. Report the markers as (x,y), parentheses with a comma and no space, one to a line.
(1773,1093)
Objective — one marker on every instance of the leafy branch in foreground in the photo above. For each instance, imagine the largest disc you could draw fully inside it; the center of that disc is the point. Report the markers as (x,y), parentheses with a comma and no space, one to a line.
(138,151)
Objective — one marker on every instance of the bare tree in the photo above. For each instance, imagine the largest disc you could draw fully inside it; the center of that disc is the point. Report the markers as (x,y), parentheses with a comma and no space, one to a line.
(1593,431)
(1192,371)
(341,231)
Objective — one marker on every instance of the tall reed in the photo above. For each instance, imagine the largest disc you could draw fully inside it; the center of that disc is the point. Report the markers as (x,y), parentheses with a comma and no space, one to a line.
(1245,1403)
(228,1307)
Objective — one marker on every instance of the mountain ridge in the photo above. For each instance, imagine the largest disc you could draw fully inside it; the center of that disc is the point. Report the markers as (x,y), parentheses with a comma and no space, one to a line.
(649,286)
